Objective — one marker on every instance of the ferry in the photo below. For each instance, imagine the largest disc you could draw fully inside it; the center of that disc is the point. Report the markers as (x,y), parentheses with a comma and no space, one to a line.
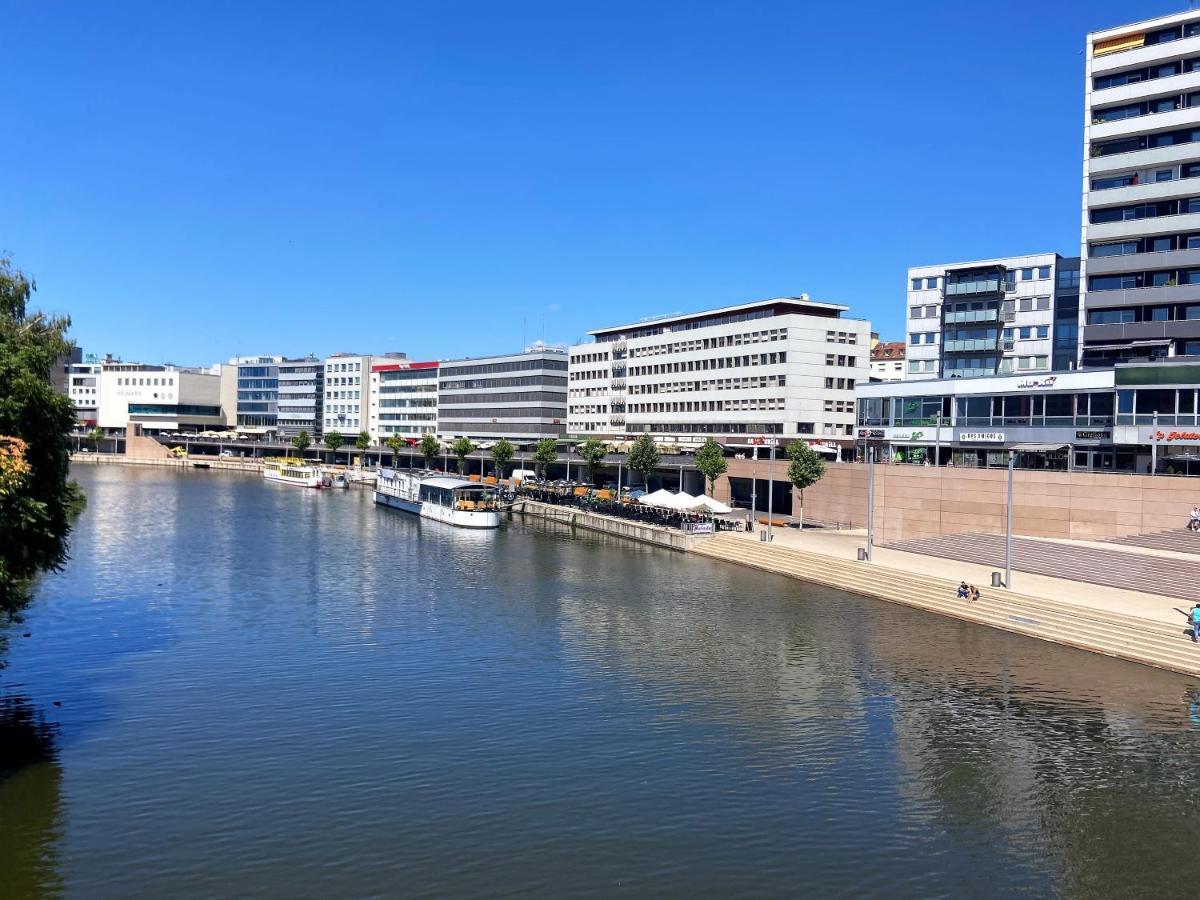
(294,471)
(446,498)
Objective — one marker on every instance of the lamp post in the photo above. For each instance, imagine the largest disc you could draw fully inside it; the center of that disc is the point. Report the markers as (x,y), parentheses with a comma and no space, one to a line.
(870,501)
(771,493)
(1154,445)
(1012,459)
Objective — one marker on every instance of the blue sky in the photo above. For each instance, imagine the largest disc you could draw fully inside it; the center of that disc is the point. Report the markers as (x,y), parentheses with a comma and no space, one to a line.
(194,181)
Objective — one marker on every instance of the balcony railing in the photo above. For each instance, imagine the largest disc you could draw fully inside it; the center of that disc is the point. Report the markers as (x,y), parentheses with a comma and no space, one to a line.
(973,315)
(969,345)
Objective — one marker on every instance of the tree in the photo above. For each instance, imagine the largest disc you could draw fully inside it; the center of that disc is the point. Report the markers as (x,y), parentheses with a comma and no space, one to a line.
(361,443)
(430,449)
(545,452)
(502,452)
(592,452)
(643,457)
(394,443)
(710,460)
(302,441)
(96,435)
(37,500)
(463,448)
(333,440)
(805,469)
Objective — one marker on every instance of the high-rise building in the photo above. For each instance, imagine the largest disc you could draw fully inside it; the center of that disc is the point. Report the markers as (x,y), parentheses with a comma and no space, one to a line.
(301,398)
(403,400)
(992,317)
(83,387)
(518,396)
(786,366)
(347,392)
(257,393)
(1141,204)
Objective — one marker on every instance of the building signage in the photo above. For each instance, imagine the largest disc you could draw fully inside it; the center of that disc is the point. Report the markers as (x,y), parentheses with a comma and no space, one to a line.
(1093,435)
(982,437)
(1034,383)
(871,434)
(1174,436)
(908,435)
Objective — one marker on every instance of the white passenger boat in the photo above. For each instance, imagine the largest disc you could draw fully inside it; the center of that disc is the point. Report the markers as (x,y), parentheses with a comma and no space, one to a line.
(294,471)
(457,501)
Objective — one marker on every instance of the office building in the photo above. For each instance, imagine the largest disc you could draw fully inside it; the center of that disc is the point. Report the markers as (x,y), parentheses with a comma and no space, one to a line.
(347,392)
(300,398)
(60,371)
(403,400)
(887,361)
(83,388)
(518,396)
(257,379)
(1141,195)
(1016,314)
(159,398)
(785,367)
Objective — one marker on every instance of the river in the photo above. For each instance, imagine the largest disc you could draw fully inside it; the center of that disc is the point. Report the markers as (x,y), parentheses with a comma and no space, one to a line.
(267,691)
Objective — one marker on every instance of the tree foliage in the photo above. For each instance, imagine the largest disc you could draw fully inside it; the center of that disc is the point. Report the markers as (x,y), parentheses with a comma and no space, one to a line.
(395,443)
(302,441)
(592,452)
(363,441)
(37,501)
(644,457)
(463,448)
(502,452)
(334,439)
(805,469)
(430,448)
(710,460)
(545,452)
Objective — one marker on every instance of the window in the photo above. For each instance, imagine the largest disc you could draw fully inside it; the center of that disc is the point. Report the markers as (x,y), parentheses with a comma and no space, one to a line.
(1043,271)
(916,284)
(1164,175)
(1043,332)
(1026,333)
(1027,274)
(931,283)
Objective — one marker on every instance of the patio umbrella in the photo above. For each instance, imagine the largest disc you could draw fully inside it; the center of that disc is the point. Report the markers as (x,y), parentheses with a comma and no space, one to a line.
(714,506)
(659,498)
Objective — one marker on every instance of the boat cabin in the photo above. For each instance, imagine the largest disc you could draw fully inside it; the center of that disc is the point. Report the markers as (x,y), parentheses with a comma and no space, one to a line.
(458,493)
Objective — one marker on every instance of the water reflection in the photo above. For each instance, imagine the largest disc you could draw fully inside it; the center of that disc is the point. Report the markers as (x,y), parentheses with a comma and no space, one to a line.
(30,801)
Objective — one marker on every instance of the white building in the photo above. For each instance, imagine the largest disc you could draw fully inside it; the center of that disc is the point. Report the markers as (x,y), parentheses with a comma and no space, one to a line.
(300,398)
(403,400)
(887,361)
(347,393)
(518,396)
(992,317)
(1141,199)
(83,388)
(786,366)
(160,398)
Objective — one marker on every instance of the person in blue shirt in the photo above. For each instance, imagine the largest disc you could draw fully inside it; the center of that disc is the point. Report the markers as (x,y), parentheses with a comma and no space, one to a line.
(1196,623)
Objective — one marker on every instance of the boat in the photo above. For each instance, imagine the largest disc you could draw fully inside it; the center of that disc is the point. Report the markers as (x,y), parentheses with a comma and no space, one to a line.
(446,498)
(294,471)
(200,465)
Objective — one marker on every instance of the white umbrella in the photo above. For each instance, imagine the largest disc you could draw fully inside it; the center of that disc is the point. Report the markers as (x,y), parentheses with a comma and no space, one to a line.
(659,498)
(714,506)
(685,502)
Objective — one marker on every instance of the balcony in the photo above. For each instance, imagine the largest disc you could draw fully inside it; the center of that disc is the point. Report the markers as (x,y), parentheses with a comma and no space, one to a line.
(973,345)
(1179,293)
(1144,56)
(1150,157)
(1131,228)
(1143,192)
(1143,262)
(973,315)
(1163,121)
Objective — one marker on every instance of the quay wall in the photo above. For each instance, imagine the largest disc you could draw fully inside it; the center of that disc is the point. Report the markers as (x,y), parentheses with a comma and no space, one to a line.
(919,501)
(170,462)
(568,515)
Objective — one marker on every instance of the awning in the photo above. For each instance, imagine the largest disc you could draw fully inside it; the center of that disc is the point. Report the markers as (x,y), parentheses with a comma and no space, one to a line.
(1156,342)
(1038,448)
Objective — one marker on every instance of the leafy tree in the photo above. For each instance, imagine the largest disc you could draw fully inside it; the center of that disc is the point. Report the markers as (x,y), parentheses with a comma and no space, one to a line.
(710,460)
(395,443)
(592,452)
(361,443)
(644,457)
(96,435)
(302,441)
(430,448)
(805,469)
(36,500)
(502,452)
(545,452)
(333,440)
(463,448)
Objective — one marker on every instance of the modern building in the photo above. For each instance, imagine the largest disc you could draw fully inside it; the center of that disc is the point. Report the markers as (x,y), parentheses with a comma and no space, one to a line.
(60,371)
(785,367)
(887,361)
(300,398)
(403,400)
(159,398)
(1124,418)
(257,393)
(1015,314)
(347,393)
(83,388)
(518,396)
(1141,206)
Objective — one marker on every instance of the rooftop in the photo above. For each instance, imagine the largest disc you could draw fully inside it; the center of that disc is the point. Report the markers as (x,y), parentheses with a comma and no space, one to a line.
(783,305)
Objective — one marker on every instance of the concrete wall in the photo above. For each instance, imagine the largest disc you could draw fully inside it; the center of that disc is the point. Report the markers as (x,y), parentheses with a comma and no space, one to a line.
(918,501)
(634,531)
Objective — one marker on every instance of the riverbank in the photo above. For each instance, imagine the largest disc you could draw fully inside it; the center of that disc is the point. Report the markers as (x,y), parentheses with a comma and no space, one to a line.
(224,464)
(1154,638)
(670,538)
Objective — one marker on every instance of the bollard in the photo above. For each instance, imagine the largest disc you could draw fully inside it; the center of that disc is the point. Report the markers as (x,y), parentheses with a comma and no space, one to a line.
(997,579)
(862,554)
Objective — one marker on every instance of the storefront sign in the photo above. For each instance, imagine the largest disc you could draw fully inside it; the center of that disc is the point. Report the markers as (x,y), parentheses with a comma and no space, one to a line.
(908,436)
(982,437)
(1093,435)
(1034,383)
(1173,436)
(871,434)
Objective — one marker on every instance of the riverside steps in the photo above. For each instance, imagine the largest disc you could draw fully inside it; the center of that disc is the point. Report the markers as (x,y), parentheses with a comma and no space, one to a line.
(670,538)
(1162,644)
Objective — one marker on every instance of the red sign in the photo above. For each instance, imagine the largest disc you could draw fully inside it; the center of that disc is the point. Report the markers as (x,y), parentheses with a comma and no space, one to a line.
(1175,436)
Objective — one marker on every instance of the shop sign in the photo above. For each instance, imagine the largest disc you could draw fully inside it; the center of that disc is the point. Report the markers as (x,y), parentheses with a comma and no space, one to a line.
(1172,436)
(872,434)
(1093,435)
(982,437)
(1034,383)
(908,435)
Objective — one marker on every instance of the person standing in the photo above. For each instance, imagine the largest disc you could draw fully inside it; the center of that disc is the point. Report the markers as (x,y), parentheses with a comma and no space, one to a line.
(1196,623)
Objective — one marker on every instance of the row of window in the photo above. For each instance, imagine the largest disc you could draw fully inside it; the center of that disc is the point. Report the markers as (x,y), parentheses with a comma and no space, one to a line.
(407,404)
(681,406)
(839,384)
(1145,108)
(588,392)
(1160,244)
(703,365)
(746,383)
(984,309)
(840,360)
(841,337)
(514,381)
(1146,142)
(1147,176)
(1050,409)
(839,406)
(343,395)
(1128,315)
(585,358)
(168,381)
(727,340)
(1153,210)
(1146,73)
(587,374)
(455,370)
(1128,281)
(707,322)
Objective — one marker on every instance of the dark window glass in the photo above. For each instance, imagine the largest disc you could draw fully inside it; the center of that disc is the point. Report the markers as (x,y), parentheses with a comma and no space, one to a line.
(1160,314)
(1160,244)
(1165,174)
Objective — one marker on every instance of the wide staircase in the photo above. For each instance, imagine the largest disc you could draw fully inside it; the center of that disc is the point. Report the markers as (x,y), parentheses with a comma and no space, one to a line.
(1164,646)
(1179,540)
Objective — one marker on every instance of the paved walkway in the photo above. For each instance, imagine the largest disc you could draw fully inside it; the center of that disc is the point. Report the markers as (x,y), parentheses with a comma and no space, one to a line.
(844,545)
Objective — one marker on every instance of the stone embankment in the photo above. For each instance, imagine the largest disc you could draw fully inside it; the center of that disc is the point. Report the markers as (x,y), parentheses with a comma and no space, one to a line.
(170,462)
(1163,646)
(671,538)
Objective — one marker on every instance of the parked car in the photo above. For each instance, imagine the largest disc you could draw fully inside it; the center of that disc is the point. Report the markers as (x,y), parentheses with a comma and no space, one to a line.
(226,453)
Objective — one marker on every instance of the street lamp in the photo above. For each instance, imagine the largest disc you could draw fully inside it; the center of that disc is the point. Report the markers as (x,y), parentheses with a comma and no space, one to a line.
(1012,457)
(870,501)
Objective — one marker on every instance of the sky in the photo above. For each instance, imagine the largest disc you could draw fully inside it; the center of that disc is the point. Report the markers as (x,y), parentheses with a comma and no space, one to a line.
(191,182)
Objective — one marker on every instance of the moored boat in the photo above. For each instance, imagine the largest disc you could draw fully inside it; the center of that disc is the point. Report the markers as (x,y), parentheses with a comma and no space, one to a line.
(446,498)
(295,472)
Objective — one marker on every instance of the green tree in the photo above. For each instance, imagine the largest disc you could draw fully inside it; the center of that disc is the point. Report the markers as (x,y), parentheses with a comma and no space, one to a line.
(333,440)
(502,452)
(302,441)
(644,457)
(37,501)
(805,469)
(545,452)
(592,452)
(96,435)
(430,448)
(361,443)
(395,443)
(463,448)
(710,460)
